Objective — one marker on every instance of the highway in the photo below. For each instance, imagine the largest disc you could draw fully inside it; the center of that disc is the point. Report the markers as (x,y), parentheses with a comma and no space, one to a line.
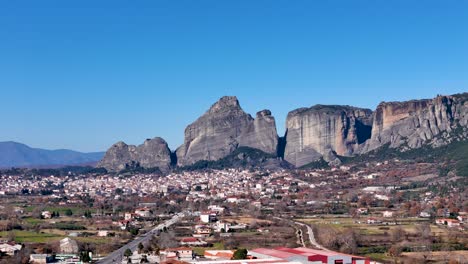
(117,256)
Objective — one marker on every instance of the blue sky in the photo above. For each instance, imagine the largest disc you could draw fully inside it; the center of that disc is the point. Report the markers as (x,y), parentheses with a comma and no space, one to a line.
(85,74)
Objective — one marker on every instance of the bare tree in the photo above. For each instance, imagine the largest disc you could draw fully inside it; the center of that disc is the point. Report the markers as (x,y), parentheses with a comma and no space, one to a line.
(395,252)
(397,234)
(167,240)
(425,240)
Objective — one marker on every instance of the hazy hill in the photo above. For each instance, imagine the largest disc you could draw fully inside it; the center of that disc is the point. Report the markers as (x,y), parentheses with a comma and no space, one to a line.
(14,154)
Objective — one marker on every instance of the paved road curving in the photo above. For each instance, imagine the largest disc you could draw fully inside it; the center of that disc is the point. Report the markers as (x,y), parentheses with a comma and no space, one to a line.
(117,256)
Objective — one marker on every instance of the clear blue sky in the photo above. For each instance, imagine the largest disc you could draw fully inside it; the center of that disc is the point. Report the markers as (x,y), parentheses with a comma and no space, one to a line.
(85,74)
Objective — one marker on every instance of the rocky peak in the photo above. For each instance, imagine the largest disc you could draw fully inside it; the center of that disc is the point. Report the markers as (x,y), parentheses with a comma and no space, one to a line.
(151,154)
(263,113)
(225,103)
(221,130)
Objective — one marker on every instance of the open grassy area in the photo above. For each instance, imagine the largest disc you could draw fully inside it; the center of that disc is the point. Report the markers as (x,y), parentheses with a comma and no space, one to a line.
(408,225)
(33,221)
(76,210)
(378,256)
(31,236)
(438,257)
(201,250)
(246,220)
(93,240)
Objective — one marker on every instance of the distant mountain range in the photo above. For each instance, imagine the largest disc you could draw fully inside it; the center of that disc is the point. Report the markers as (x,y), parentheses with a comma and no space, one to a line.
(14,154)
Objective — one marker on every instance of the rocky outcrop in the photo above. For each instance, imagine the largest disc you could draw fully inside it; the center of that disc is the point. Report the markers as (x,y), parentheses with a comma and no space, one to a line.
(311,133)
(320,131)
(261,133)
(413,124)
(224,128)
(151,154)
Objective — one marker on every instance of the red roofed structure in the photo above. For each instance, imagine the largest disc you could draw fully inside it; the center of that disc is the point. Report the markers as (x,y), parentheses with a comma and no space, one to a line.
(308,255)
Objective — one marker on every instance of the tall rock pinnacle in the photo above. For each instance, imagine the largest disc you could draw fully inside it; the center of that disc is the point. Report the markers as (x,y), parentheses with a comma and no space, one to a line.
(224,128)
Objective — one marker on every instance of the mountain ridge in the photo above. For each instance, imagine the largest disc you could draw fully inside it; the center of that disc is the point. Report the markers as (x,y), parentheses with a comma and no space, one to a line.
(16,154)
(319,132)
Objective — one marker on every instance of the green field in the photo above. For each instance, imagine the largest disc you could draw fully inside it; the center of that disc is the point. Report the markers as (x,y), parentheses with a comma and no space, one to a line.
(77,211)
(33,221)
(31,236)
(201,250)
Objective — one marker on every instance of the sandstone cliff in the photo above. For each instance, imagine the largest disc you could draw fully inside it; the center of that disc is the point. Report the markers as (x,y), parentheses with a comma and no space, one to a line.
(319,131)
(151,154)
(222,129)
(413,124)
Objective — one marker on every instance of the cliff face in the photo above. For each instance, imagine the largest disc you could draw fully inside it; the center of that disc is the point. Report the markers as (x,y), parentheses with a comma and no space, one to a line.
(261,133)
(319,131)
(222,129)
(152,153)
(412,124)
(312,133)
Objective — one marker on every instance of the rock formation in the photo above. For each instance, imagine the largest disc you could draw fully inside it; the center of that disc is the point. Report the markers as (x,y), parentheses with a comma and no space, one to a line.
(311,133)
(222,129)
(151,154)
(412,124)
(261,133)
(320,131)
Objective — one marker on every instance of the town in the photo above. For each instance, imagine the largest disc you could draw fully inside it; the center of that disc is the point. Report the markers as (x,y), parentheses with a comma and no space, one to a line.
(374,212)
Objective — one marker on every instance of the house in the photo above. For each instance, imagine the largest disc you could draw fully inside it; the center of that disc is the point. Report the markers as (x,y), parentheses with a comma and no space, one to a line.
(448,222)
(143,212)
(362,210)
(10,248)
(208,217)
(123,224)
(46,214)
(222,226)
(219,254)
(192,241)
(463,218)
(237,227)
(202,231)
(372,221)
(128,216)
(216,209)
(425,214)
(453,223)
(39,258)
(68,246)
(232,199)
(181,253)
(387,214)
(102,233)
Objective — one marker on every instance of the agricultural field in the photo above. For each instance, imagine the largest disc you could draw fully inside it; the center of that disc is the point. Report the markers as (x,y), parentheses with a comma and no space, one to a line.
(400,238)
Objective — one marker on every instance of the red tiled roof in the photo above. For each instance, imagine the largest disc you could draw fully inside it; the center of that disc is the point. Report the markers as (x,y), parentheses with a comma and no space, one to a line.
(189,239)
(274,253)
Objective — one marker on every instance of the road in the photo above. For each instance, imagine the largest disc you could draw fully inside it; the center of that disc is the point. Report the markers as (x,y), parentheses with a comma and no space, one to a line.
(310,233)
(312,239)
(117,256)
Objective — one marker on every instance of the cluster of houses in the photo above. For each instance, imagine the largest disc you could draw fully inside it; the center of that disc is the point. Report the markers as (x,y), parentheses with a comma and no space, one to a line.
(10,248)
(209,223)
(460,222)
(262,256)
